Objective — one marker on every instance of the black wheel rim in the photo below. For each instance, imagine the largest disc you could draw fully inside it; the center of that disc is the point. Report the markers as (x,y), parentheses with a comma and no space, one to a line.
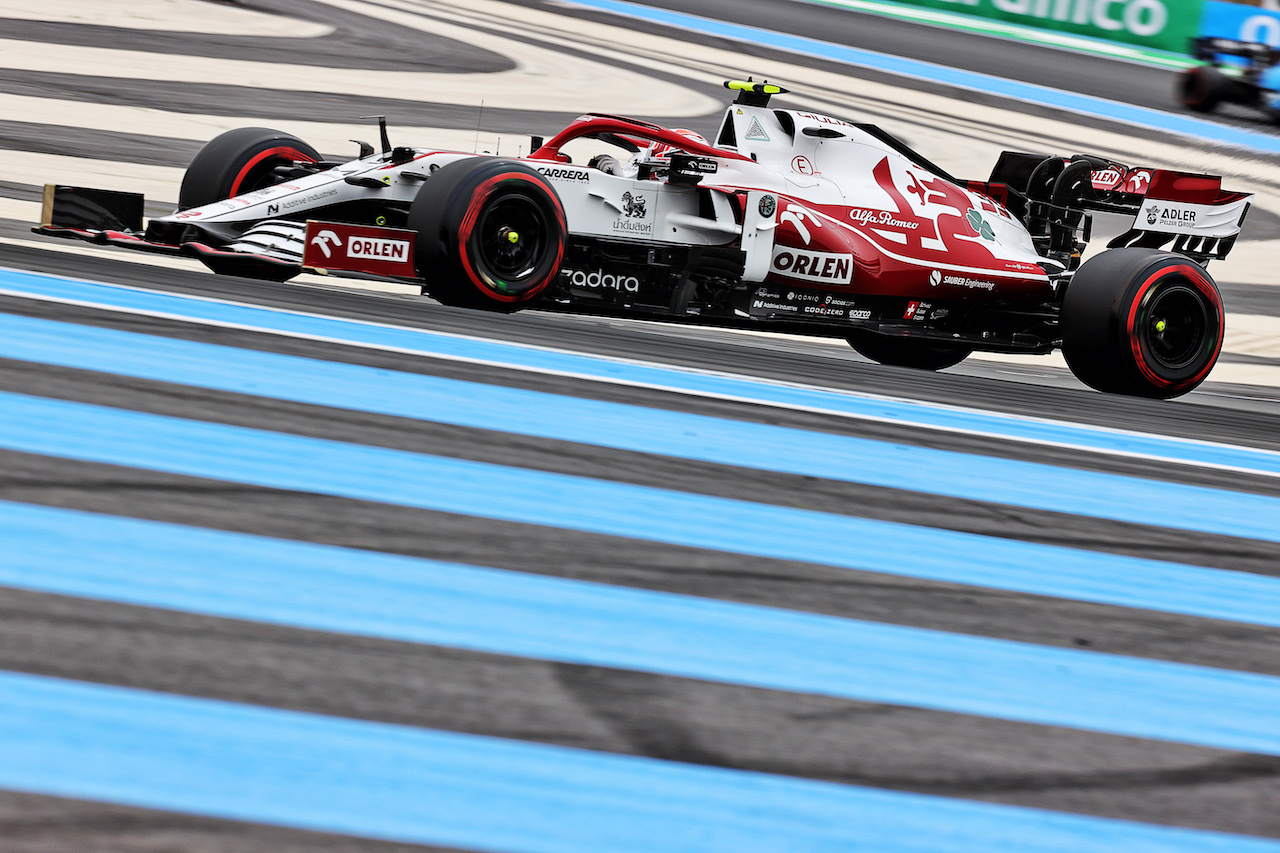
(1177,326)
(510,243)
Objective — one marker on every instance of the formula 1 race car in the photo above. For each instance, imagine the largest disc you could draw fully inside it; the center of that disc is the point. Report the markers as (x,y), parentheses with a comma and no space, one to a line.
(1235,72)
(790,221)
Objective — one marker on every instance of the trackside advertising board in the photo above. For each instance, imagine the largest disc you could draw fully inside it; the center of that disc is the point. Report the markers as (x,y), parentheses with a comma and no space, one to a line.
(1239,22)
(1161,24)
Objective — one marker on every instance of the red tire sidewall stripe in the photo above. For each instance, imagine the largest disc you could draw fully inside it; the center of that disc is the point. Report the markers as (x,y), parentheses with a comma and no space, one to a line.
(475,205)
(1197,278)
(283,152)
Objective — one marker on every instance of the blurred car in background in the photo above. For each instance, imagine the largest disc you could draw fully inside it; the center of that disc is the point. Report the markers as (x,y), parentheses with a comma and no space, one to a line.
(1233,72)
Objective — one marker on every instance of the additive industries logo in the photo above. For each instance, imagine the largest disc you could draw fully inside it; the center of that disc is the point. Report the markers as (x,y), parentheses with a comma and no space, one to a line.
(768,204)
(980,226)
(602,279)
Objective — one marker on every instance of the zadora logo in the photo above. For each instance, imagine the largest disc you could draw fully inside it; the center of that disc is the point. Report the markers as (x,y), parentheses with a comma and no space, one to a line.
(599,278)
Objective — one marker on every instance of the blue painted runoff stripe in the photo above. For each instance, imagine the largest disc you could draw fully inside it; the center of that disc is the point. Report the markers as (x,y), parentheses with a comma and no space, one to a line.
(374,780)
(624,372)
(275,460)
(634,428)
(394,597)
(974,81)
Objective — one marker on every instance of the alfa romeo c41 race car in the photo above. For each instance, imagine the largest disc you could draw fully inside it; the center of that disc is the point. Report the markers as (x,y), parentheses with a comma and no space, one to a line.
(789,221)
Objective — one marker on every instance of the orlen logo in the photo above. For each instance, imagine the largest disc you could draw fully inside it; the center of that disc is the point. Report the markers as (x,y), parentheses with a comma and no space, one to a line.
(1106,179)
(812,266)
(600,278)
(373,247)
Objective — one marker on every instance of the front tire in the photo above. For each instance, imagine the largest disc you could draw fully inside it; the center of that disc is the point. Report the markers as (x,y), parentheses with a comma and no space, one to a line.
(238,162)
(491,234)
(1142,322)
(907,352)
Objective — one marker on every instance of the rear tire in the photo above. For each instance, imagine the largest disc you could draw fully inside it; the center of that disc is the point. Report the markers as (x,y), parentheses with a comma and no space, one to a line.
(1142,322)
(238,162)
(907,352)
(491,234)
(1202,88)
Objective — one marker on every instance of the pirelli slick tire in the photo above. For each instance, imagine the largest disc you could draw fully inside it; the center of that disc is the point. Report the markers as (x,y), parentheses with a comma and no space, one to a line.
(238,162)
(1142,322)
(907,352)
(1202,88)
(491,234)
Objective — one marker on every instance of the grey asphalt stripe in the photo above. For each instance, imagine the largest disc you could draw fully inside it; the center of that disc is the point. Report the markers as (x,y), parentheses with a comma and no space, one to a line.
(611,560)
(639,714)
(275,104)
(398,49)
(33,823)
(70,141)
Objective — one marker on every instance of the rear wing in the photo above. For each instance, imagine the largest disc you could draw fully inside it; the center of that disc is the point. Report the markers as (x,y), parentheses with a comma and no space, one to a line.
(1221,51)
(1186,212)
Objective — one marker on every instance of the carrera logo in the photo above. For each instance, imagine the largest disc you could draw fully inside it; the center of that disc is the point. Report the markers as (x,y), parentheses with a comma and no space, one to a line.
(384,250)
(602,279)
(812,266)
(559,174)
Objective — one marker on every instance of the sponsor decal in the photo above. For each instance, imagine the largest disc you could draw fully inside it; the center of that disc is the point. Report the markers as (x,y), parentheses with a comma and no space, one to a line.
(935,278)
(768,204)
(635,214)
(839,301)
(1138,181)
(764,293)
(1106,179)
(364,248)
(802,165)
(812,266)
(910,313)
(980,225)
(309,199)
(273,209)
(370,247)
(800,219)
(188,214)
(963,281)
(881,218)
(921,311)
(824,119)
(603,280)
(1168,215)
(939,314)
(756,132)
(559,173)
(774,306)
(860,314)
(324,240)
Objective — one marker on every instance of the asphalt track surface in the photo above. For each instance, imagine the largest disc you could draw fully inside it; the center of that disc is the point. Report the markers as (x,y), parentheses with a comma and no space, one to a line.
(557,592)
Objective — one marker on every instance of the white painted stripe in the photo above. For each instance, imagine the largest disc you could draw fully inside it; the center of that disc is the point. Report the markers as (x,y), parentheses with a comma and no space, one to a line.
(179,16)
